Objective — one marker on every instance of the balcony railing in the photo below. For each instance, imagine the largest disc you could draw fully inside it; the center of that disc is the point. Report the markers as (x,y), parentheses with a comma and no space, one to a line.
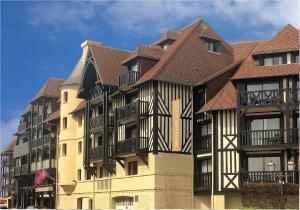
(269,137)
(37,119)
(268,97)
(131,146)
(128,78)
(96,93)
(133,110)
(97,153)
(39,141)
(202,143)
(23,126)
(20,170)
(97,122)
(202,182)
(269,176)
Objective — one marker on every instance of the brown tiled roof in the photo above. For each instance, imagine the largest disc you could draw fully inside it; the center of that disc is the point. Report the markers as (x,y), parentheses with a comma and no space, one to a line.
(108,63)
(152,52)
(241,50)
(172,35)
(80,106)
(224,99)
(54,116)
(10,146)
(50,89)
(285,40)
(187,61)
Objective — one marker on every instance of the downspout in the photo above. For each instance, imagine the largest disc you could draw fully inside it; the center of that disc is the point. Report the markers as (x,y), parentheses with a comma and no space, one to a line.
(212,199)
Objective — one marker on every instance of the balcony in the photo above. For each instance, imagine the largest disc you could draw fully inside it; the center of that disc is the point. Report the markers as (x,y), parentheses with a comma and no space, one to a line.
(21,149)
(269,176)
(128,79)
(23,126)
(202,144)
(96,93)
(202,182)
(268,97)
(97,153)
(97,123)
(21,170)
(37,119)
(133,145)
(269,138)
(131,112)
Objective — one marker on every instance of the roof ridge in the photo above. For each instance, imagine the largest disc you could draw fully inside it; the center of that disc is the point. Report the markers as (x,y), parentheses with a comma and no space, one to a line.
(184,39)
(249,41)
(112,48)
(186,26)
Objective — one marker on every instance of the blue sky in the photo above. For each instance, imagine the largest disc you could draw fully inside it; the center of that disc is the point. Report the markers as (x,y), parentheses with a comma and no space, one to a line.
(42,39)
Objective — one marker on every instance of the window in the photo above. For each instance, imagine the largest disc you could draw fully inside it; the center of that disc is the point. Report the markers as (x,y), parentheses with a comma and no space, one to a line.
(130,131)
(64,149)
(206,129)
(261,163)
(103,172)
(205,166)
(263,86)
(135,67)
(65,123)
(79,174)
(211,45)
(80,120)
(132,168)
(65,97)
(79,147)
(265,124)
(164,45)
(295,57)
(273,60)
(87,175)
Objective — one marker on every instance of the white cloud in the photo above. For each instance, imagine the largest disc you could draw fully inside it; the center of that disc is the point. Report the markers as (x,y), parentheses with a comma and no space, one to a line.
(152,16)
(148,18)
(8,128)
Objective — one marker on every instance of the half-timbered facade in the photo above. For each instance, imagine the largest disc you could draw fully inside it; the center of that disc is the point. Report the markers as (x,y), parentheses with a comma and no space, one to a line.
(36,147)
(253,119)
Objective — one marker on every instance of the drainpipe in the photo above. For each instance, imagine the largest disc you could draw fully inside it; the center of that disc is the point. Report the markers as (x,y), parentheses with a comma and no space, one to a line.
(212,161)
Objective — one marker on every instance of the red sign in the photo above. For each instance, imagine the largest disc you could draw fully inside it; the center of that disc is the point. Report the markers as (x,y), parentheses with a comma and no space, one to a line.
(3,201)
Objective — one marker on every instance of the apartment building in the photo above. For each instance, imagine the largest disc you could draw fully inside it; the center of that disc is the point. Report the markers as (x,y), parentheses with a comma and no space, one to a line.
(248,131)
(35,149)
(188,121)
(7,175)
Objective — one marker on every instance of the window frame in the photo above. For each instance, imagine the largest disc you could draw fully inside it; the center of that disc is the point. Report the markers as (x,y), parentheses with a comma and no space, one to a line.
(64,149)
(65,97)
(132,168)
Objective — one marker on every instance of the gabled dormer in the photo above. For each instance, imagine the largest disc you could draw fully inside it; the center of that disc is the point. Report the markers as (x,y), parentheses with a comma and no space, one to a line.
(138,63)
(167,39)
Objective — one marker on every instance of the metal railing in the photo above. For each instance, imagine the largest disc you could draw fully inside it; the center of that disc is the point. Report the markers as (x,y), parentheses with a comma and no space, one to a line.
(132,145)
(133,109)
(19,170)
(202,143)
(269,176)
(202,181)
(97,122)
(269,137)
(96,93)
(128,78)
(268,97)
(39,141)
(97,153)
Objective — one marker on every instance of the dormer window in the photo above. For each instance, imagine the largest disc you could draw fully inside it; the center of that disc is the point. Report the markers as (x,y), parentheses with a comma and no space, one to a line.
(272,60)
(211,45)
(164,45)
(134,66)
